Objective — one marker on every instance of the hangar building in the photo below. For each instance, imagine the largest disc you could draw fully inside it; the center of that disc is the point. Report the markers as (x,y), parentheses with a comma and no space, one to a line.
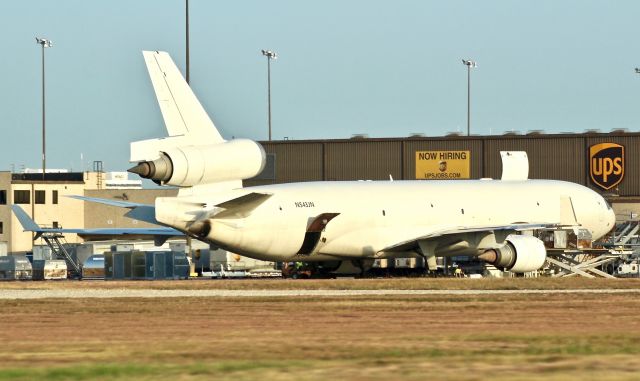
(606,162)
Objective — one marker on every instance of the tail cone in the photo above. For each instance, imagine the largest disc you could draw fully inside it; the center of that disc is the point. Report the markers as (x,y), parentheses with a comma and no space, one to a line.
(158,170)
(143,169)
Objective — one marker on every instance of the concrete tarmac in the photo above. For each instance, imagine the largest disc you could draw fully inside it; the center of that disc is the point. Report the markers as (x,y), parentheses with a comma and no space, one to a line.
(138,293)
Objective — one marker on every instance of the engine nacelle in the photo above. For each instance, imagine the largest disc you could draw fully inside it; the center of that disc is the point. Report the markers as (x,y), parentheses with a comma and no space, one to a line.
(186,166)
(520,254)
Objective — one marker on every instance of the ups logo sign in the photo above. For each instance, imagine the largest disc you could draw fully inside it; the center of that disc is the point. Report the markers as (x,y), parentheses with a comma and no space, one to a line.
(606,164)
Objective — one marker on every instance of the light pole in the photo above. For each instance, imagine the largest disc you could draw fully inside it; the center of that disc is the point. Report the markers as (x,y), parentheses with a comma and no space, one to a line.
(45,44)
(270,56)
(469,64)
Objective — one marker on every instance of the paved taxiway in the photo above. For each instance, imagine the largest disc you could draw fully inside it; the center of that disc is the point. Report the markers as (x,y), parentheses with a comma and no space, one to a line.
(124,293)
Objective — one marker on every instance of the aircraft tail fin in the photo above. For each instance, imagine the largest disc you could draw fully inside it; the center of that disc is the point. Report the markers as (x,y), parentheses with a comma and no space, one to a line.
(182,112)
(28,224)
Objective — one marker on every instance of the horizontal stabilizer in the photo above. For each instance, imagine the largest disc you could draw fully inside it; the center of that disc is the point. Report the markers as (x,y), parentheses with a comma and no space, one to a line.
(120,231)
(242,206)
(146,213)
(119,204)
(29,224)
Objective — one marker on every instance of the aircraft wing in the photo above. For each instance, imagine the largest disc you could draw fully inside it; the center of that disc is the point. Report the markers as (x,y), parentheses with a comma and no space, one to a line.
(29,225)
(451,233)
(141,212)
(121,204)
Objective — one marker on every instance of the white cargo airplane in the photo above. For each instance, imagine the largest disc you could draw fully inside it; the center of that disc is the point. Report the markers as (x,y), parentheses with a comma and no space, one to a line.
(342,220)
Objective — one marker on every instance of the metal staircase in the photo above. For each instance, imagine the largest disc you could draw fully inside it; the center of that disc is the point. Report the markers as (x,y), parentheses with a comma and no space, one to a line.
(626,234)
(57,244)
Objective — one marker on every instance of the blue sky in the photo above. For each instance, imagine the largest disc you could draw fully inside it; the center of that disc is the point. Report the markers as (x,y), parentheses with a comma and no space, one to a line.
(383,68)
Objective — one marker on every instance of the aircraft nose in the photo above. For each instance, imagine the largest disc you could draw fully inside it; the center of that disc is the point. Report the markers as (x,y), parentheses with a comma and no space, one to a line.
(611,219)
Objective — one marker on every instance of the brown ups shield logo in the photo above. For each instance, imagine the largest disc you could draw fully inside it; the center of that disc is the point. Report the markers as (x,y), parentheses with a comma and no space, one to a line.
(606,164)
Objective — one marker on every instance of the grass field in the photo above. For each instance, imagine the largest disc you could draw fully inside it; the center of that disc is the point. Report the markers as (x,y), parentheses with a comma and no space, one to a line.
(462,337)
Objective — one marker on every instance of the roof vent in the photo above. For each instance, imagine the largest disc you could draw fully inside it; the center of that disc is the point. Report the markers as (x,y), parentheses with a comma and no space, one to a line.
(359,136)
(535,132)
(416,135)
(593,131)
(619,131)
(454,133)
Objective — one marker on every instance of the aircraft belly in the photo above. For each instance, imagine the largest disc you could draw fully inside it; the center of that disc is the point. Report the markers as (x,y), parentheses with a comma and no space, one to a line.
(361,243)
(254,241)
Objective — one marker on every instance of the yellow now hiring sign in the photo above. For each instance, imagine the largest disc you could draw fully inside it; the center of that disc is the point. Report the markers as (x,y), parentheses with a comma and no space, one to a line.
(443,165)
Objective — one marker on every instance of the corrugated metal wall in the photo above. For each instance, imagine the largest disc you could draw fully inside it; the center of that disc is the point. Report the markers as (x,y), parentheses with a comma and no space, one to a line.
(295,162)
(558,157)
(363,160)
(549,158)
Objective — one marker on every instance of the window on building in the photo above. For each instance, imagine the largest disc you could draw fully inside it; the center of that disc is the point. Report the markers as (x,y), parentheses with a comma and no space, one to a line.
(21,197)
(54,197)
(3,197)
(55,224)
(1,228)
(40,196)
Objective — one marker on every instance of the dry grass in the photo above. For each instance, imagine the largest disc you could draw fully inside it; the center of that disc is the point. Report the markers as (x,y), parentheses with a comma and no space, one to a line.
(359,338)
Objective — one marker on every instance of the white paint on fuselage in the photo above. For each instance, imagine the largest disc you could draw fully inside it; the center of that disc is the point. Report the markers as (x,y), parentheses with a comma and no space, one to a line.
(374,215)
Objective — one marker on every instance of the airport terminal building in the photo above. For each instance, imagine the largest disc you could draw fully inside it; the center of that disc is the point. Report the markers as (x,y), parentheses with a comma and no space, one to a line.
(47,202)
(605,162)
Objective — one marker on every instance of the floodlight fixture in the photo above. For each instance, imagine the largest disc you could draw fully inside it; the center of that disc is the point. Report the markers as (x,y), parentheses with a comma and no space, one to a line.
(469,63)
(269,54)
(46,43)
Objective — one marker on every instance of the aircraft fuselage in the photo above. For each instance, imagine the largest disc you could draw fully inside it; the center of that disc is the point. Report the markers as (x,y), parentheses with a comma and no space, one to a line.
(366,217)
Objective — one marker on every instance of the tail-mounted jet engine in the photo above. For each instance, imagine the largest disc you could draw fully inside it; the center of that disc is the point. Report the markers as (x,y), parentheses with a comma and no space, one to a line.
(191,165)
(520,254)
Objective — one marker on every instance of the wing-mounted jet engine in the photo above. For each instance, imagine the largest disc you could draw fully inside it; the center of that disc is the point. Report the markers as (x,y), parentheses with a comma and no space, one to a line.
(520,254)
